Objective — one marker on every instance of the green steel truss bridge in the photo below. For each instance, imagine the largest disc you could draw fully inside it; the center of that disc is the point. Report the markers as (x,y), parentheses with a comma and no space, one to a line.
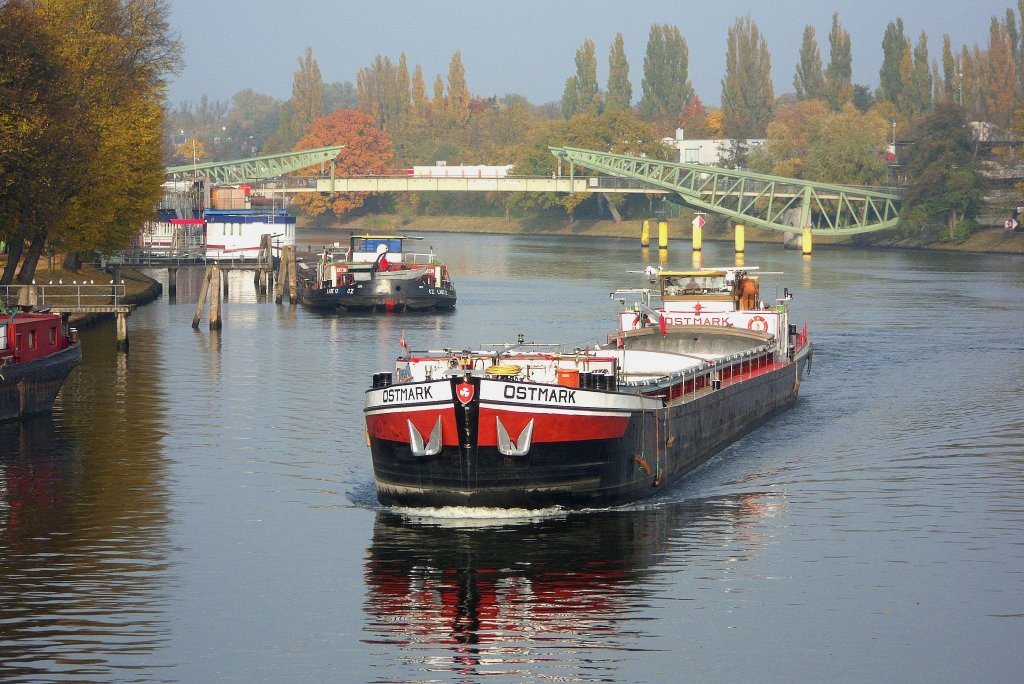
(754,199)
(255,168)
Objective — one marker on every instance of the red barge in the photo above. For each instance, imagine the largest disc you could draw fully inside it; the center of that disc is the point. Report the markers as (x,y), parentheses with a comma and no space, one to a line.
(696,363)
(36,356)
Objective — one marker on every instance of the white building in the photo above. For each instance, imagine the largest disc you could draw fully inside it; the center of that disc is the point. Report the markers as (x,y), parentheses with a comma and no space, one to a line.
(708,152)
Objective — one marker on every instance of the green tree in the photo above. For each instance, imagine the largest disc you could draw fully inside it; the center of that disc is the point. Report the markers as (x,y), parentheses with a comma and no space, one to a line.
(666,84)
(620,91)
(890,77)
(747,93)
(944,189)
(839,74)
(582,94)
(950,71)
(339,95)
(809,80)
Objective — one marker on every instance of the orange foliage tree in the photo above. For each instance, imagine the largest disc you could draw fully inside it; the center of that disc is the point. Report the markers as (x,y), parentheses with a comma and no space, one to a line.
(368,150)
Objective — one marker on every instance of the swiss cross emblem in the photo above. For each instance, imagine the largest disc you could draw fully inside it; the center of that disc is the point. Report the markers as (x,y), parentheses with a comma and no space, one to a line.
(464,391)
(697,308)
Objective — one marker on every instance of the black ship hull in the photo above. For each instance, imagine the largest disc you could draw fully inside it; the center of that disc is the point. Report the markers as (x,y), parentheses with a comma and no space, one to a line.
(379,296)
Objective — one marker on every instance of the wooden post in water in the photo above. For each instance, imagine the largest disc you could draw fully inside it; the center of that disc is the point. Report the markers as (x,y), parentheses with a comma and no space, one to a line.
(122,330)
(264,263)
(286,276)
(172,281)
(215,278)
(203,291)
(293,285)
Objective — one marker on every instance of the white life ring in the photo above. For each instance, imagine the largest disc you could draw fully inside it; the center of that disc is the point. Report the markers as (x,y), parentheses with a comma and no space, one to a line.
(758,324)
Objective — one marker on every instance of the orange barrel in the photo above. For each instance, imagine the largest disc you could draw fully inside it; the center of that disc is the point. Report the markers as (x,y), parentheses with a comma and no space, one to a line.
(568,377)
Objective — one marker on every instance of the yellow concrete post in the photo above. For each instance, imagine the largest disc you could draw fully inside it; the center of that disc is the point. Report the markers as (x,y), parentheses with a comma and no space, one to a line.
(645,234)
(806,241)
(662,234)
(697,237)
(739,238)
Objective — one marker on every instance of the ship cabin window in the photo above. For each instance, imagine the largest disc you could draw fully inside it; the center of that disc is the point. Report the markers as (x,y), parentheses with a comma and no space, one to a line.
(674,286)
(17,341)
(53,337)
(31,339)
(393,245)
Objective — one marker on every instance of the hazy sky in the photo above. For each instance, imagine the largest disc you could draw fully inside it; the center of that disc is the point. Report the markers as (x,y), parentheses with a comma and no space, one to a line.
(529,46)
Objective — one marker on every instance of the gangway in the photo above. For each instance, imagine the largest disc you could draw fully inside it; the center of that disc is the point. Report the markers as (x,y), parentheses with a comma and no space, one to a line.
(255,168)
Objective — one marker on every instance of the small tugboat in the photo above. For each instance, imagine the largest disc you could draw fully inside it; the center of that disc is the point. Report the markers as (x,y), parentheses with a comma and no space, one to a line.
(694,365)
(36,356)
(375,273)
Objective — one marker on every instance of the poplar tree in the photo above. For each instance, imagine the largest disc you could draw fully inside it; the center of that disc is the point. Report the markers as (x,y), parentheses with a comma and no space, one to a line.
(582,94)
(458,91)
(921,82)
(809,80)
(666,83)
(890,81)
(747,93)
(1000,76)
(950,72)
(307,91)
(620,90)
(839,74)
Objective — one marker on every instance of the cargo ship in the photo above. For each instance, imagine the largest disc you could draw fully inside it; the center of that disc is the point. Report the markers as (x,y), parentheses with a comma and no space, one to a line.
(37,353)
(375,273)
(697,360)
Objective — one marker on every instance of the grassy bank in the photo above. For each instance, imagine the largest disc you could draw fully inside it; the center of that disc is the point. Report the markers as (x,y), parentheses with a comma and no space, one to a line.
(986,240)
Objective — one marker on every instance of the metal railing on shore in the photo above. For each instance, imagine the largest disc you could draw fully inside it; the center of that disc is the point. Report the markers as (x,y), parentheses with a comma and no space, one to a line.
(80,297)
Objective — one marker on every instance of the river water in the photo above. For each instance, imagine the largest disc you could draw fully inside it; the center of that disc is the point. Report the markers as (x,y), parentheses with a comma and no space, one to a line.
(202,508)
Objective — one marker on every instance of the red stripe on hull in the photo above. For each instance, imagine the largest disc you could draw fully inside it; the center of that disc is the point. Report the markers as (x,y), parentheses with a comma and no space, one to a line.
(549,427)
(395,427)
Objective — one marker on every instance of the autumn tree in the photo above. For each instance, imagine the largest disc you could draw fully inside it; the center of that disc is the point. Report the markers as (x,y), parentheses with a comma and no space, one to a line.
(106,93)
(839,73)
(698,122)
(307,91)
(619,97)
(747,93)
(1000,95)
(458,92)
(809,80)
(666,84)
(582,94)
(367,151)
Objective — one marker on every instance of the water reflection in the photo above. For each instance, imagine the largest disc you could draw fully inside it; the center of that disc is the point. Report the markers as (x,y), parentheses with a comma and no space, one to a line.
(83,549)
(560,596)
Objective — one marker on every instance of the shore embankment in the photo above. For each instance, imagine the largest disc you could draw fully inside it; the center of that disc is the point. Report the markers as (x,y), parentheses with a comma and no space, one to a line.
(985,240)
